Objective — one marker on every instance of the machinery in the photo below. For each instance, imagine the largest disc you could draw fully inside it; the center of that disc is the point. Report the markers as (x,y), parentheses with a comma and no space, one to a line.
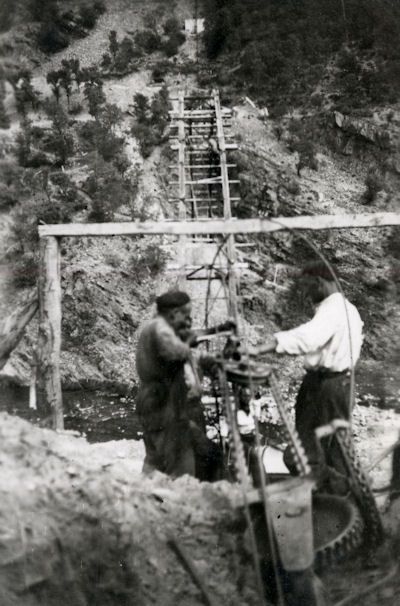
(294,527)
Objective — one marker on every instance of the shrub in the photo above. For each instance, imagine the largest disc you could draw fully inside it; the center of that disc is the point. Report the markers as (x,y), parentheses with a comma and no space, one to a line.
(148,40)
(88,16)
(94,96)
(172,26)
(100,7)
(151,120)
(146,264)
(171,47)
(96,135)
(375,182)
(160,71)
(52,199)
(23,143)
(113,43)
(8,196)
(60,140)
(25,270)
(106,61)
(108,190)
(11,187)
(4,119)
(126,54)
(51,39)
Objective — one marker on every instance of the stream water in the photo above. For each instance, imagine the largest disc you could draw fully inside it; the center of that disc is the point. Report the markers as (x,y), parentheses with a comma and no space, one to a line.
(97,415)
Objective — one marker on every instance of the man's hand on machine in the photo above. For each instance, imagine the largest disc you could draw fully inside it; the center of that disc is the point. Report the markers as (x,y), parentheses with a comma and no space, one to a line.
(228,326)
(254,352)
(205,334)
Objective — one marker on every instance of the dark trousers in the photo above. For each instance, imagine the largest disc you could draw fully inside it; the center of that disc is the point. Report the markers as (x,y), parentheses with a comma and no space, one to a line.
(323,397)
(183,448)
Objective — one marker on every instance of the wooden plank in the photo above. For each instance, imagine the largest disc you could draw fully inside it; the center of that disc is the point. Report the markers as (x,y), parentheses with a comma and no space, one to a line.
(49,285)
(222,226)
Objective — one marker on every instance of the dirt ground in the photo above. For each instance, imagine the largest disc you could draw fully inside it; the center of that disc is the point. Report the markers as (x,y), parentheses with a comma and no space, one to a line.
(80,525)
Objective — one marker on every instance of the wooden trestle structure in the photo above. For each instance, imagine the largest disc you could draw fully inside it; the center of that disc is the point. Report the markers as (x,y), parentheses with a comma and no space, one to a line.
(200,136)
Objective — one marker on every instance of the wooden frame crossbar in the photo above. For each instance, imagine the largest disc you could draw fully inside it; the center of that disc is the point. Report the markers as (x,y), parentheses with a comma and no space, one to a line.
(222,226)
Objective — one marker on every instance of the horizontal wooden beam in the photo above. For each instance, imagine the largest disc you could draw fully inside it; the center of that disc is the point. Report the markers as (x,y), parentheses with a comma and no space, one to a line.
(221,226)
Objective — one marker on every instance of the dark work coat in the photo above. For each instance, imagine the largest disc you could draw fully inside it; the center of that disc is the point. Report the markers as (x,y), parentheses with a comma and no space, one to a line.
(161,401)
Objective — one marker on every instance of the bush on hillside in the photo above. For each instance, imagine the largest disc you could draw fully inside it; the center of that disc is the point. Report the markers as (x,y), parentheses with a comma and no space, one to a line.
(53,199)
(151,120)
(147,263)
(108,190)
(88,16)
(99,134)
(160,70)
(25,270)
(172,26)
(94,96)
(4,118)
(172,44)
(11,186)
(301,142)
(127,54)
(57,27)
(374,182)
(149,41)
(59,141)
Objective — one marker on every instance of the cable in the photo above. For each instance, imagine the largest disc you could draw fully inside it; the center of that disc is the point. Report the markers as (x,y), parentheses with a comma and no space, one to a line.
(311,244)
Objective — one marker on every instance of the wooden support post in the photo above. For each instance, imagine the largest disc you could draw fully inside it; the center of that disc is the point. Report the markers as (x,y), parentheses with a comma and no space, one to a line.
(182,180)
(230,245)
(50,327)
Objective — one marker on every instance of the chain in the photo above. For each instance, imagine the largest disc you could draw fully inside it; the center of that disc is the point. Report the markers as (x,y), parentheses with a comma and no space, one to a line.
(361,488)
(289,430)
(236,445)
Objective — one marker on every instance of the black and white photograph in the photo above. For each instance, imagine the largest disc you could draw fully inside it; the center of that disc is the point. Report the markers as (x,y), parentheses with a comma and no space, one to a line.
(199,302)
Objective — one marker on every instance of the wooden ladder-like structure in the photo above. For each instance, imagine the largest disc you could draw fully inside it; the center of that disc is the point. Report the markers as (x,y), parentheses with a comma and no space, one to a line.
(202,185)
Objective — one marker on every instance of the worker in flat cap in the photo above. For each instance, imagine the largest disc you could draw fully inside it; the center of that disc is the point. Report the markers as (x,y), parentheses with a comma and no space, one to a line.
(169,397)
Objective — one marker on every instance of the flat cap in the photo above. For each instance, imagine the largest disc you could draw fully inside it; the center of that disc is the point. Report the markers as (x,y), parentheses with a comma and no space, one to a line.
(171,299)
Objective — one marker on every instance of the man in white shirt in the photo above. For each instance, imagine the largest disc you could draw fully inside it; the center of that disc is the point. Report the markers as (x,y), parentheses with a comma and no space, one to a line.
(331,343)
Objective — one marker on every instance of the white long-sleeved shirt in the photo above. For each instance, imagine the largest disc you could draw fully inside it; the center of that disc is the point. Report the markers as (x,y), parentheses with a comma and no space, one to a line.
(325,338)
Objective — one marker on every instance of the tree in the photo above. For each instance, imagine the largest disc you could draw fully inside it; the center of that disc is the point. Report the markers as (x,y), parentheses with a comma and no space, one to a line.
(65,76)
(141,108)
(127,52)
(25,93)
(53,79)
(108,190)
(106,61)
(148,40)
(60,140)
(171,26)
(110,116)
(91,75)
(95,97)
(4,119)
(23,142)
(74,67)
(113,43)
